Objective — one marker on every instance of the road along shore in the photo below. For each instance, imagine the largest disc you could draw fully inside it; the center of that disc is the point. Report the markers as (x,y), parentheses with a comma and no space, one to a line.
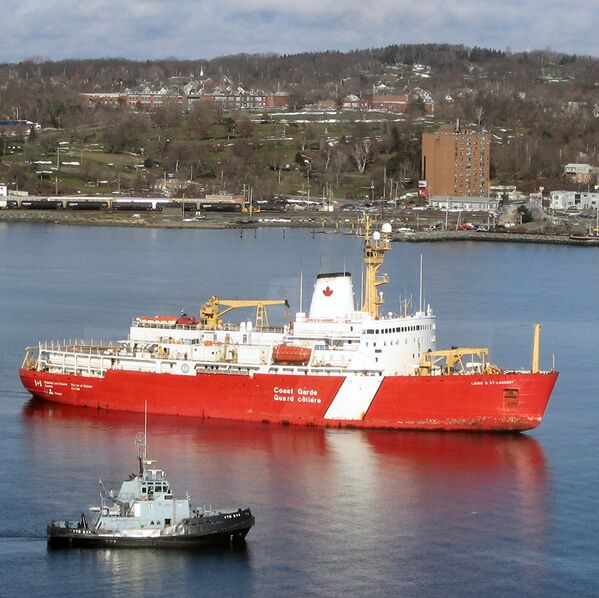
(329,222)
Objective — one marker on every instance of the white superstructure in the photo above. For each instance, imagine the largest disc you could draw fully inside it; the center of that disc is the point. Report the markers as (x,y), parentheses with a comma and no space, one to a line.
(336,336)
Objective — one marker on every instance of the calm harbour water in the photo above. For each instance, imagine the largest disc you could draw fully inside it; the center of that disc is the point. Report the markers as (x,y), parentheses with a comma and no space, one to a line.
(337,512)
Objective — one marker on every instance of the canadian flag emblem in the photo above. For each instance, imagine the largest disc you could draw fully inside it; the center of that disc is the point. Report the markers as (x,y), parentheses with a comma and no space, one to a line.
(327,292)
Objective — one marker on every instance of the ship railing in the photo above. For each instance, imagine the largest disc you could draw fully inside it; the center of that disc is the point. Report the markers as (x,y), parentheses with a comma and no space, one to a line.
(155,475)
(150,324)
(317,370)
(73,357)
(95,359)
(232,327)
(225,326)
(118,497)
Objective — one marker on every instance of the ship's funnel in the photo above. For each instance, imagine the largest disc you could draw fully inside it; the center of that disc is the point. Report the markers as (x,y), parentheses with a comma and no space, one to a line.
(333,296)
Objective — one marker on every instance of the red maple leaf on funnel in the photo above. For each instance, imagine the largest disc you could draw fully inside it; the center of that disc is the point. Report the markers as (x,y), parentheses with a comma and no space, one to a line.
(327,292)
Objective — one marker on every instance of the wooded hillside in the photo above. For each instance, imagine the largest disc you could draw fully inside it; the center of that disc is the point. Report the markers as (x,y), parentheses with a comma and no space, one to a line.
(541,107)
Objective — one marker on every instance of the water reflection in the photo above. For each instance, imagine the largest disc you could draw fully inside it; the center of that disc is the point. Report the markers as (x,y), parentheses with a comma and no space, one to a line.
(154,572)
(402,501)
(467,469)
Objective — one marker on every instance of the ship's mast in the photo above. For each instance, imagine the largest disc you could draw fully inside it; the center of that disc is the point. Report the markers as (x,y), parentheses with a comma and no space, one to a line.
(376,244)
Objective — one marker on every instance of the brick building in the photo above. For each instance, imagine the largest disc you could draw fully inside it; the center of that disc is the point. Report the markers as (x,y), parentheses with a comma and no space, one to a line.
(397,103)
(104,98)
(148,99)
(456,162)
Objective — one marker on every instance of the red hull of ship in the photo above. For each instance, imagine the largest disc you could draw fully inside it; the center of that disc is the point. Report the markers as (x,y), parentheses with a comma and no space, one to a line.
(401,402)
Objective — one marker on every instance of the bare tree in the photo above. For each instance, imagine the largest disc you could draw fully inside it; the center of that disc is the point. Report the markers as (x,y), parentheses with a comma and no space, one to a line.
(361,151)
(338,160)
(244,127)
(479,111)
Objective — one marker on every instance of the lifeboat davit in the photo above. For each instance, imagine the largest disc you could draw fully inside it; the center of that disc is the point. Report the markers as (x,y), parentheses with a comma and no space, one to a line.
(291,354)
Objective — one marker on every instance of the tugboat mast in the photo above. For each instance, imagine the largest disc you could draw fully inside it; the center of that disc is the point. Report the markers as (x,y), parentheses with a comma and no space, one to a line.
(140,443)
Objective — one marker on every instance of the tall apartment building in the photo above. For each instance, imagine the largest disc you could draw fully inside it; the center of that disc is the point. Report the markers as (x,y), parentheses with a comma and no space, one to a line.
(456,162)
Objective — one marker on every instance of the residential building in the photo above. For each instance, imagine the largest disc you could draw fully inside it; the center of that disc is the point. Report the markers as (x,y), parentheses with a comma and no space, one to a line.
(397,103)
(156,99)
(509,192)
(352,102)
(465,203)
(16,128)
(456,162)
(326,105)
(573,200)
(582,174)
(239,99)
(242,99)
(104,98)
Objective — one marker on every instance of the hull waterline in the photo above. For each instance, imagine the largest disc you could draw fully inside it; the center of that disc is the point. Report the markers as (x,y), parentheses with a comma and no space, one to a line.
(194,535)
(501,402)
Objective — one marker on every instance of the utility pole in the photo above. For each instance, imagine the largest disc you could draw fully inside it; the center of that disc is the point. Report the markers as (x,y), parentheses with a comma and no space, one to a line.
(384,182)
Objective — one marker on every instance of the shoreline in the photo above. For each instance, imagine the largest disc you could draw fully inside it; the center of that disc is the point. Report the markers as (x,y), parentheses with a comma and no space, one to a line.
(327,222)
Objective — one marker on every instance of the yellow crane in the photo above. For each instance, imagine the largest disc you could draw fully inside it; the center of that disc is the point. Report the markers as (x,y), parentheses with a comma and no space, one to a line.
(449,361)
(210,314)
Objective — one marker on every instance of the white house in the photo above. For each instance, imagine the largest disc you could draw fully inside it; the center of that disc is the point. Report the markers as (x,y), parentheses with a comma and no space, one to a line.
(574,200)
(468,204)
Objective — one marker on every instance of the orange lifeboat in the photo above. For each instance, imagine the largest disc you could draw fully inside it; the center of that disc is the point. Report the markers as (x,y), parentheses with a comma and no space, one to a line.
(187,321)
(163,320)
(291,354)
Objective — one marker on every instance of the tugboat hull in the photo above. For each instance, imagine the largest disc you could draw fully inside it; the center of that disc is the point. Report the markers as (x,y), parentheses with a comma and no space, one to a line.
(224,529)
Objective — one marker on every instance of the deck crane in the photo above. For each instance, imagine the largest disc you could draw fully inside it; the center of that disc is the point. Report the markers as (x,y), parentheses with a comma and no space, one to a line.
(210,314)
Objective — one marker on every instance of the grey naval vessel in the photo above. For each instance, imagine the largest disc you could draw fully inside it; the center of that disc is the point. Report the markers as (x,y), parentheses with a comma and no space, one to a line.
(145,513)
